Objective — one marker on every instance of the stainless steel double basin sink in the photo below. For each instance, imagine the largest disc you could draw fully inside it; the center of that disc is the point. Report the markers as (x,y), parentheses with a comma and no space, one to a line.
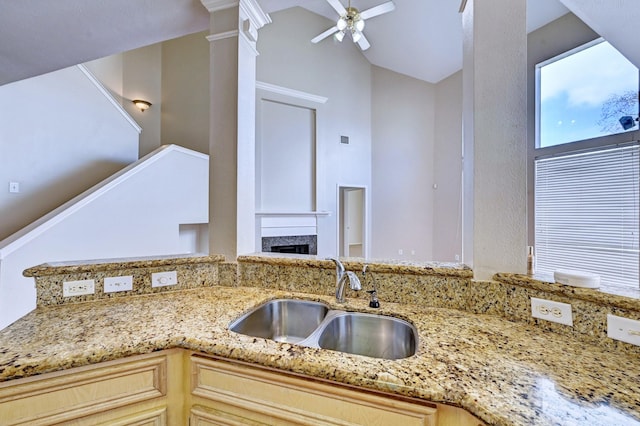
(313,324)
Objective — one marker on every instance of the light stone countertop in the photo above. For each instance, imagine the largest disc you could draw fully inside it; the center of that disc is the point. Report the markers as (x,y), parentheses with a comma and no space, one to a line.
(505,373)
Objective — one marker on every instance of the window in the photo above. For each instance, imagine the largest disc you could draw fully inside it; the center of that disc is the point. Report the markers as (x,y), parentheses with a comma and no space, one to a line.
(583,95)
(587,165)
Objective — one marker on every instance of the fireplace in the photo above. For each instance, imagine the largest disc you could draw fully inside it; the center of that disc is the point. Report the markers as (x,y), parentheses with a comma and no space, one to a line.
(299,244)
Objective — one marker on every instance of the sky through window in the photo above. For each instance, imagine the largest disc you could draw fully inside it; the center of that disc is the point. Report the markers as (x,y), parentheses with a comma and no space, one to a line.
(583,95)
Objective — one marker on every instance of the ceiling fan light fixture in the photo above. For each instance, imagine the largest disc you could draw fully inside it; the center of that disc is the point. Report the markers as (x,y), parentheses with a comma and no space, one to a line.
(351,20)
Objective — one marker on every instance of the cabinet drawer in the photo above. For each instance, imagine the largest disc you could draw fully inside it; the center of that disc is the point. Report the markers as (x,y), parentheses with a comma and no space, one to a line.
(257,394)
(58,397)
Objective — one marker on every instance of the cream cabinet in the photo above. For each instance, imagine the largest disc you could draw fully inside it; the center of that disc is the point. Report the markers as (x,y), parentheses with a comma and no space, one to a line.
(229,393)
(140,390)
(179,387)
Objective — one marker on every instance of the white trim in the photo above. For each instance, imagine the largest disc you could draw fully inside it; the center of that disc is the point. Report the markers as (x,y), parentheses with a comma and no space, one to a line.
(35,229)
(223,35)
(216,5)
(366,205)
(291,92)
(249,43)
(318,213)
(254,12)
(107,94)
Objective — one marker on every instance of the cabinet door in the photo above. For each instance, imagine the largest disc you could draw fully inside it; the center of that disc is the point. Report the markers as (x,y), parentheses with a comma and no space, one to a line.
(259,396)
(83,393)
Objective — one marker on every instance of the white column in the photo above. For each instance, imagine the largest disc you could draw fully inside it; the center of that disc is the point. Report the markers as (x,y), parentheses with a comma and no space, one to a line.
(495,135)
(234,32)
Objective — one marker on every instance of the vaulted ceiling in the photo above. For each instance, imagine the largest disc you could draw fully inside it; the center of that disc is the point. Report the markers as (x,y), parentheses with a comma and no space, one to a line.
(422,39)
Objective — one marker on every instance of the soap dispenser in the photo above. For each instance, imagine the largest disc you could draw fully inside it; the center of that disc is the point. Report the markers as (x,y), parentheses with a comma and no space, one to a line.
(373,303)
(531,261)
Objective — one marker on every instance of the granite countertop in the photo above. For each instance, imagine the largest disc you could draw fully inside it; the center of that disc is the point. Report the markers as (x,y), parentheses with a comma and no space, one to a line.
(505,373)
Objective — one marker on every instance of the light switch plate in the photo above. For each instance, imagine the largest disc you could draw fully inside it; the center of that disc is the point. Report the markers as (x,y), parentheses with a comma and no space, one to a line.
(163,279)
(623,329)
(549,310)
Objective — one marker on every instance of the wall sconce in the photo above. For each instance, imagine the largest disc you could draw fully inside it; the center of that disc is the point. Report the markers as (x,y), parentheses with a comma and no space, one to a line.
(143,105)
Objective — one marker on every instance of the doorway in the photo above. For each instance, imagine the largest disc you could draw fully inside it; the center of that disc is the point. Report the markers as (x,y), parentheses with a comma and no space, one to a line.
(352,221)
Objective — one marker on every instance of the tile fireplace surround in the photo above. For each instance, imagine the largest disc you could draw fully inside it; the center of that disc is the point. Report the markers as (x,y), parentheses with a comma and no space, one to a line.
(292,240)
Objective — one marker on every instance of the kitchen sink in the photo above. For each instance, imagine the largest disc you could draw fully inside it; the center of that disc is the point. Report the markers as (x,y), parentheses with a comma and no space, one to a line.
(282,320)
(371,335)
(313,324)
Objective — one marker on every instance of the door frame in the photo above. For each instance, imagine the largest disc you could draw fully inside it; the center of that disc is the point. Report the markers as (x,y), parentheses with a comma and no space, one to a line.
(341,211)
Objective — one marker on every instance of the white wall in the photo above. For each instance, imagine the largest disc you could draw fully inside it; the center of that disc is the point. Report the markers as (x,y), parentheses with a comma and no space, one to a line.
(447,201)
(285,151)
(334,70)
(137,212)
(403,116)
(109,71)
(58,136)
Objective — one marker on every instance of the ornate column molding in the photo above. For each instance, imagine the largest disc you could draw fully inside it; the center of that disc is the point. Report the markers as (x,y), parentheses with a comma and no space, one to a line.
(234,26)
(251,16)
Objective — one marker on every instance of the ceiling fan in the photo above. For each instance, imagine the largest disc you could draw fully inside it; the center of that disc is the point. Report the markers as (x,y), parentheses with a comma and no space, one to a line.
(351,21)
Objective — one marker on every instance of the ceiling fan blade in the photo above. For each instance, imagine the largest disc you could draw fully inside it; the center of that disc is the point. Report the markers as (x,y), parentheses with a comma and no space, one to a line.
(363,42)
(325,34)
(377,10)
(338,7)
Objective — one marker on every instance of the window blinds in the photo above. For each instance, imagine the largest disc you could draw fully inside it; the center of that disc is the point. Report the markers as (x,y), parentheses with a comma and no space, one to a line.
(586,214)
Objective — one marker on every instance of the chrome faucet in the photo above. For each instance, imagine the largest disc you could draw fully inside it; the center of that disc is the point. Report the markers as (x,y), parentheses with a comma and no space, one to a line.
(342,277)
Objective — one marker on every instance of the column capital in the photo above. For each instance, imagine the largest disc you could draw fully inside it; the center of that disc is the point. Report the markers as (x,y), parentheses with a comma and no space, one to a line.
(251,9)
(216,5)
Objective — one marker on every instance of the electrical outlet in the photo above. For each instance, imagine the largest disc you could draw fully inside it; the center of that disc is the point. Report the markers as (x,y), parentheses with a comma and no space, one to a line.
(162,279)
(78,288)
(624,329)
(552,311)
(114,284)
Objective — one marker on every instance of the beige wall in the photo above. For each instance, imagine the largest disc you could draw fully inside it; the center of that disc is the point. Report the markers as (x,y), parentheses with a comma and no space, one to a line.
(403,117)
(134,75)
(185,92)
(141,81)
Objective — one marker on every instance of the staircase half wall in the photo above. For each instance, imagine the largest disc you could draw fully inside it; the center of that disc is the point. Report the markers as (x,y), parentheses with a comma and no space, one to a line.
(136,212)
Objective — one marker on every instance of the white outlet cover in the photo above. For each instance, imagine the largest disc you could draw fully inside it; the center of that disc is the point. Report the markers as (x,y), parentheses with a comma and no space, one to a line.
(115,284)
(78,288)
(163,279)
(549,310)
(623,329)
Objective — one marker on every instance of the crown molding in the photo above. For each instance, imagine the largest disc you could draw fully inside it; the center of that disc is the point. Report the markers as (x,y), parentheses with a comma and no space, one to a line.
(272,88)
(255,13)
(221,36)
(251,9)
